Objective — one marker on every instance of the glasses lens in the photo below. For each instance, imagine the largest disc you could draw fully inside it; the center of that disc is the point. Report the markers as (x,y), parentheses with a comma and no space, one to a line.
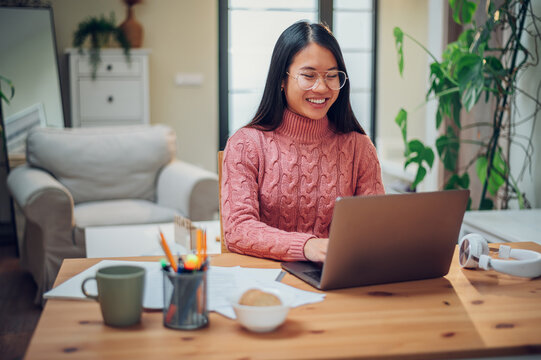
(335,79)
(307,79)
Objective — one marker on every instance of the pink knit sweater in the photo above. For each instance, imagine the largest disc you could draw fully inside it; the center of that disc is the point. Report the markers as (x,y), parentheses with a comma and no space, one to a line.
(279,187)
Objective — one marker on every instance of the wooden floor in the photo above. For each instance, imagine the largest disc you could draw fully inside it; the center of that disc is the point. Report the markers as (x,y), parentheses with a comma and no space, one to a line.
(18,314)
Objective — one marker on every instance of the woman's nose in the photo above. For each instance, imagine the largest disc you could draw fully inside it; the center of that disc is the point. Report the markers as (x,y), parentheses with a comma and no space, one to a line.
(321,85)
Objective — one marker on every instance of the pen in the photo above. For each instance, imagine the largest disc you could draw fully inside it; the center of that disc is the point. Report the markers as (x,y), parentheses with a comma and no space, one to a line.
(165,248)
(199,240)
(205,246)
(180,265)
(164,265)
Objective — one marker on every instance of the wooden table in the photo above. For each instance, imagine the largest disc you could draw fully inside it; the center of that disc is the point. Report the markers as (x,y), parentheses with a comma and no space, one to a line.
(465,314)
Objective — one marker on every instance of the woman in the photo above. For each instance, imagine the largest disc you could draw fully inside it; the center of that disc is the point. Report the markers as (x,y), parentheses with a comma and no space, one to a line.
(304,148)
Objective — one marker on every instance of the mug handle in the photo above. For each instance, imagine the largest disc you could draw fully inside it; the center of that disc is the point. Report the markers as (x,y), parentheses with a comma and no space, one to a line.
(94,297)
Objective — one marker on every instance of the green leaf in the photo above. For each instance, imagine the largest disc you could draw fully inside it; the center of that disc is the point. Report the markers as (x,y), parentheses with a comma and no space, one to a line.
(428,156)
(401,120)
(448,146)
(463,10)
(439,118)
(419,154)
(421,173)
(481,168)
(456,106)
(465,39)
(408,162)
(494,74)
(415,146)
(399,44)
(469,73)
(486,204)
(497,174)
(464,181)
(494,64)
(458,182)
(11,88)
(451,183)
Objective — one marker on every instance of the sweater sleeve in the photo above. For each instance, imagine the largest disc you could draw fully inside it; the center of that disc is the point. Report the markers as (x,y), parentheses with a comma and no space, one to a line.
(244,232)
(369,176)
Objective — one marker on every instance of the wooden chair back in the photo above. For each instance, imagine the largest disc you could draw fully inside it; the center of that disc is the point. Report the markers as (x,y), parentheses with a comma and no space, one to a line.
(222,238)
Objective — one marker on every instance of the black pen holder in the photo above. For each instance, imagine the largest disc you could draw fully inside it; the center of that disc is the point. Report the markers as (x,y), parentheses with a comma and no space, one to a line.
(185,300)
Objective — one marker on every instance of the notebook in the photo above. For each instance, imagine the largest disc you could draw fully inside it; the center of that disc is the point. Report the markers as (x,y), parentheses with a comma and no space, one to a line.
(387,238)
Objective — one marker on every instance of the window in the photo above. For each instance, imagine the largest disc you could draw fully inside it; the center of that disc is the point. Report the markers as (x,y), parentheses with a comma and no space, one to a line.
(248,31)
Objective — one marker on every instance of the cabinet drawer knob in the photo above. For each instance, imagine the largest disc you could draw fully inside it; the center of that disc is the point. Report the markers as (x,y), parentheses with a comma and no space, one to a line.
(109,67)
(110,99)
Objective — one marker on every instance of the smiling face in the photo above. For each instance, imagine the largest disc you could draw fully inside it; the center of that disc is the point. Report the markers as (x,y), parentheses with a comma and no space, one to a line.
(313,103)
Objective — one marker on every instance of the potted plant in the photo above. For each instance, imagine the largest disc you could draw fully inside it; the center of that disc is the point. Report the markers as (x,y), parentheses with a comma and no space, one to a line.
(4,97)
(100,30)
(8,82)
(477,66)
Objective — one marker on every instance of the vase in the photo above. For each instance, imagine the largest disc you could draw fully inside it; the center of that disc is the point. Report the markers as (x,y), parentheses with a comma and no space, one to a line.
(132,29)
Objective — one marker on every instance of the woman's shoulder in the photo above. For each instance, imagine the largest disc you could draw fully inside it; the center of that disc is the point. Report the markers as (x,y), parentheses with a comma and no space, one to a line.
(245,137)
(359,139)
(361,142)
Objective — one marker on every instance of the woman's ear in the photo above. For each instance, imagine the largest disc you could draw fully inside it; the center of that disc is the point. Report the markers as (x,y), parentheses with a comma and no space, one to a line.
(282,85)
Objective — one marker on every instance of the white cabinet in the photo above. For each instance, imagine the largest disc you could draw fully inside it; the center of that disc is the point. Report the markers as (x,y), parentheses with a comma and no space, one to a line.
(118,95)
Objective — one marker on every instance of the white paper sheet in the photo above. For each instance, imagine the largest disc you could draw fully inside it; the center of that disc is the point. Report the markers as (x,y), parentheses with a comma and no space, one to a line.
(224,284)
(71,289)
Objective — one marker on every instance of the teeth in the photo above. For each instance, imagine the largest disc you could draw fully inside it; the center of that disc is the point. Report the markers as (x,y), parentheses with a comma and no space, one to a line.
(317,101)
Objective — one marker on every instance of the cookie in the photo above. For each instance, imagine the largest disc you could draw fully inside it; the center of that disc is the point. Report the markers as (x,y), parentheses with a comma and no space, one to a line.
(255,297)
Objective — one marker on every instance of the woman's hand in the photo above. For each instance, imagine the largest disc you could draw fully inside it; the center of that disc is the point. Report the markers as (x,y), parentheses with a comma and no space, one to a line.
(315,249)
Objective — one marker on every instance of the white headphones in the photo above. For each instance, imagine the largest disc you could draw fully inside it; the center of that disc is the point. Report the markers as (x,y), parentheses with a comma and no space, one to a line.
(473,253)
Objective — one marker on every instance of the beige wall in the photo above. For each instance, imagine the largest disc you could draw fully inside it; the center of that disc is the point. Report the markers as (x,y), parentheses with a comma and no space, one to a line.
(393,91)
(182,37)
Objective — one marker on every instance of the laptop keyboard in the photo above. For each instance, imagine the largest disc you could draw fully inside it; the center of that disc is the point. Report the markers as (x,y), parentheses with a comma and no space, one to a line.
(314,274)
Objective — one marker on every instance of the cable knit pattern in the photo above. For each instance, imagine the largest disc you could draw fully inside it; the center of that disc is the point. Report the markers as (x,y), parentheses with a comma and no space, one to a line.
(279,187)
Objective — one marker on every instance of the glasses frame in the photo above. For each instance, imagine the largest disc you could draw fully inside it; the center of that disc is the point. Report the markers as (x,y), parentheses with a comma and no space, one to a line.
(320,76)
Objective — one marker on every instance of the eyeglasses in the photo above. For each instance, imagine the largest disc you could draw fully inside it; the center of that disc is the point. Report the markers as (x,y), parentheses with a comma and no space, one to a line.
(309,79)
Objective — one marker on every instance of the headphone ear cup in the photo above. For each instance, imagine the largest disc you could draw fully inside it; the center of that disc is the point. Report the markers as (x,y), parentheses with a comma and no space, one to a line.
(471,247)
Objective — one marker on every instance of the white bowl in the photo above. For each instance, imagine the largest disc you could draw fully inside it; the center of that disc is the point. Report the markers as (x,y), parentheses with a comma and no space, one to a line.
(261,318)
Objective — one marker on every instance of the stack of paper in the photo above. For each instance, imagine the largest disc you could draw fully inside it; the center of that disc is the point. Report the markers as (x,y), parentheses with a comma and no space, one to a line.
(224,284)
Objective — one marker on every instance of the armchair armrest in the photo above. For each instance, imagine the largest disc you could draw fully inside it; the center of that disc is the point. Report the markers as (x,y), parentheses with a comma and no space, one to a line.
(36,192)
(191,190)
(48,209)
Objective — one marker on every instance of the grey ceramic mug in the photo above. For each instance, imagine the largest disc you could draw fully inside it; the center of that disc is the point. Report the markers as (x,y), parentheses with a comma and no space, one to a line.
(120,293)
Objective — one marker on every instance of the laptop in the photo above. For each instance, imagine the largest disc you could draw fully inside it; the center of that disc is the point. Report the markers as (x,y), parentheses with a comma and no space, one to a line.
(387,238)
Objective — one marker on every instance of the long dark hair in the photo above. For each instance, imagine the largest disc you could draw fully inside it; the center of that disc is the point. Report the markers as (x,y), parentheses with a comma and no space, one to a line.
(273,103)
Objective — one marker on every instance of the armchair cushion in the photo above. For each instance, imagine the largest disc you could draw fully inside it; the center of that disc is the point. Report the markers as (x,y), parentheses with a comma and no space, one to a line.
(121,212)
(103,163)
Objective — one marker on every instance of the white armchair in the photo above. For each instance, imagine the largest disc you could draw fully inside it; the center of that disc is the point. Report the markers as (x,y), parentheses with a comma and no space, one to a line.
(76,178)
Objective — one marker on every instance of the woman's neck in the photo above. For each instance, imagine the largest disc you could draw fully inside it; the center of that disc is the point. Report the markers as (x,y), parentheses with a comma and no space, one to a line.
(302,128)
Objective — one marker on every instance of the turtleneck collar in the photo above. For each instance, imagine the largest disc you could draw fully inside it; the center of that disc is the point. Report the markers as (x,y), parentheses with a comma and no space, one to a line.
(302,128)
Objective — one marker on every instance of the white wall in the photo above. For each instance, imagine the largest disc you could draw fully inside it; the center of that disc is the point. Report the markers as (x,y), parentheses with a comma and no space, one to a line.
(529,81)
